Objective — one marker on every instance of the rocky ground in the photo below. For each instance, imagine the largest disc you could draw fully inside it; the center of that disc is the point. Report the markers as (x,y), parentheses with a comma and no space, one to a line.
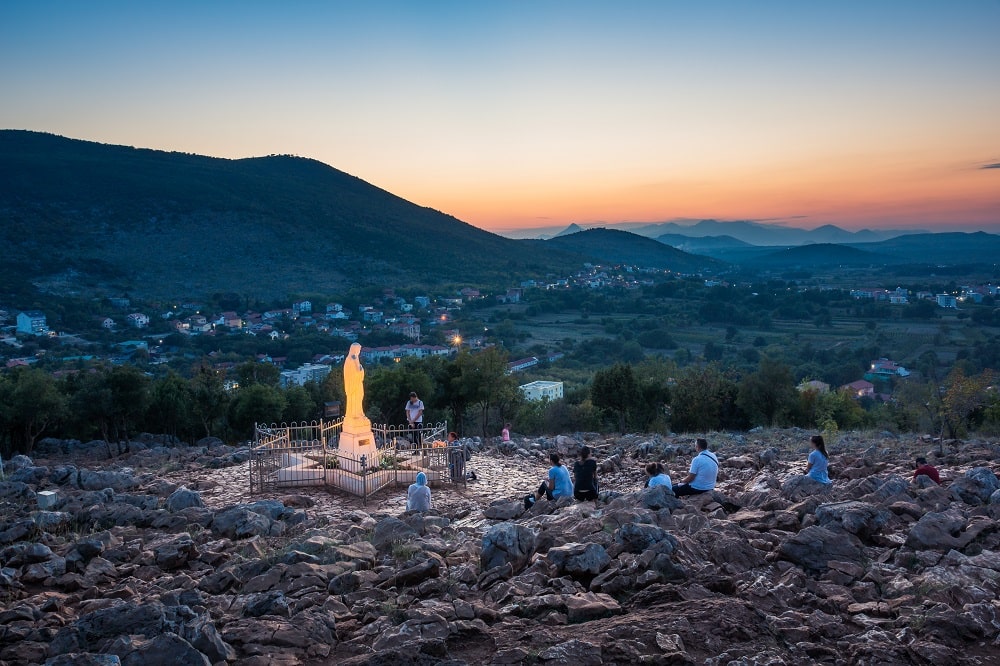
(161,556)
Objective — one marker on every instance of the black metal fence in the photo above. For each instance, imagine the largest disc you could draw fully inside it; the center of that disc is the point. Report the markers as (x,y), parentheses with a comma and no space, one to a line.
(307,454)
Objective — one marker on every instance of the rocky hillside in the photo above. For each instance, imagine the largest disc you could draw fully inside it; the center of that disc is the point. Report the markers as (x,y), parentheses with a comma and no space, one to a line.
(159,556)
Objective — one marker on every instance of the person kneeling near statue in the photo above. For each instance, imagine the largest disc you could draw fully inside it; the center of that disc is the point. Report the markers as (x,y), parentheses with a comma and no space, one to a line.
(703,472)
(418,496)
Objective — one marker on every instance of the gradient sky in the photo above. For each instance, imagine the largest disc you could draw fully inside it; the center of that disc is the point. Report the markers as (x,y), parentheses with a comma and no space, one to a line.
(530,113)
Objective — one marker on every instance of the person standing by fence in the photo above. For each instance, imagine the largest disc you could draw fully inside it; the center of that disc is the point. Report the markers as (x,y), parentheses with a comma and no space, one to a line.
(414,408)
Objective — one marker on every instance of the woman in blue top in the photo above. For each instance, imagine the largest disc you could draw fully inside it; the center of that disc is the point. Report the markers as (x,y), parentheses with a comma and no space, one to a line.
(558,483)
(818,460)
(657,476)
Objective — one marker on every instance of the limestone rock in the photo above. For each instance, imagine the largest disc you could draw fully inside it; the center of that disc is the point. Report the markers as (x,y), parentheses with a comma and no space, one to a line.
(183,498)
(815,546)
(507,543)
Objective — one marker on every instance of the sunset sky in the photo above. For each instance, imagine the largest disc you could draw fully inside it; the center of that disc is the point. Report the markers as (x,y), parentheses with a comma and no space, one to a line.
(514,114)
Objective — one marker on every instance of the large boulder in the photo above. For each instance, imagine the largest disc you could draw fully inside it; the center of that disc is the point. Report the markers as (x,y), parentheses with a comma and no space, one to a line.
(814,547)
(945,531)
(184,498)
(166,649)
(504,510)
(858,518)
(637,537)
(799,487)
(100,479)
(391,531)
(507,543)
(239,522)
(975,487)
(123,618)
(577,559)
(659,497)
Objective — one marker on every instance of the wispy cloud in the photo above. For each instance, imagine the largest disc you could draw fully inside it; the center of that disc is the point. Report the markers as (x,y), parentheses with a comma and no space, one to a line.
(993,165)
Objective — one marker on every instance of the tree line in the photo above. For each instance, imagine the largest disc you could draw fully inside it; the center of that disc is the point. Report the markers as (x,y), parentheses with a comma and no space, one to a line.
(476,395)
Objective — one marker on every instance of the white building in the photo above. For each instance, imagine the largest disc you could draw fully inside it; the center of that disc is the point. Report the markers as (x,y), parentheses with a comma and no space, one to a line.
(542,390)
(138,320)
(947,301)
(32,322)
(310,372)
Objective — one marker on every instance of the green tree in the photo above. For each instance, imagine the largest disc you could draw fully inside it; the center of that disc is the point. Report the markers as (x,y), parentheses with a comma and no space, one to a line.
(258,403)
(768,396)
(301,407)
(484,380)
(31,404)
(388,387)
(963,396)
(208,398)
(170,403)
(705,399)
(255,372)
(616,391)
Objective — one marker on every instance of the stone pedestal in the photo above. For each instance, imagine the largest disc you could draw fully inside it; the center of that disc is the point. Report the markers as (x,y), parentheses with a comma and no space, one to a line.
(354,443)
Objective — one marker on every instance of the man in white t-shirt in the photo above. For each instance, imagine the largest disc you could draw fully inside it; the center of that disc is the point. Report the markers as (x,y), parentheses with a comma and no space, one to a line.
(703,472)
(414,408)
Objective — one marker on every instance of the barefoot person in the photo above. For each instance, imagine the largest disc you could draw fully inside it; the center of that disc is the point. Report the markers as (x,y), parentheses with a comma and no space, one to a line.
(703,472)
(818,460)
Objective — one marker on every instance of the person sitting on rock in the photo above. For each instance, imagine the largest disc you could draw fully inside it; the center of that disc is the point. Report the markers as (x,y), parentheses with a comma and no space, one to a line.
(585,476)
(818,460)
(924,469)
(657,476)
(703,472)
(418,496)
(557,484)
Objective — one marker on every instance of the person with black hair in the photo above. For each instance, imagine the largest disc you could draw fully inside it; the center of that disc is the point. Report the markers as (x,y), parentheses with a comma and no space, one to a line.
(557,483)
(703,473)
(924,469)
(818,460)
(585,476)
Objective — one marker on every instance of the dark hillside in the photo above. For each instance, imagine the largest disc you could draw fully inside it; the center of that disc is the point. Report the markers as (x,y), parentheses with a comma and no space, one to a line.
(159,223)
(623,247)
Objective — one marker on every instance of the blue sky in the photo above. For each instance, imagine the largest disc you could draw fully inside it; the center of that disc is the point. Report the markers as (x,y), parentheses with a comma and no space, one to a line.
(512,114)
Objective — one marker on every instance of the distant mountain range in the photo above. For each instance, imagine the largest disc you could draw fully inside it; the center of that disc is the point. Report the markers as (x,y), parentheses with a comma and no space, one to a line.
(89,217)
(623,247)
(747,232)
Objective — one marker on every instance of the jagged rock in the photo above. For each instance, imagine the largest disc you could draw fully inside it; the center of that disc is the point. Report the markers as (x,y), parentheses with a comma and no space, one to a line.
(504,510)
(390,531)
(361,554)
(175,551)
(573,652)
(975,486)
(588,606)
(815,546)
(183,498)
(507,543)
(166,649)
(273,602)
(62,475)
(99,480)
(29,474)
(858,518)
(240,522)
(122,618)
(418,573)
(799,487)
(204,637)
(84,659)
(637,537)
(658,497)
(944,531)
(576,559)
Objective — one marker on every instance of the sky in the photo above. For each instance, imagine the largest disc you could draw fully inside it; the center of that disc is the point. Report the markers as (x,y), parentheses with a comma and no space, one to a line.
(534,113)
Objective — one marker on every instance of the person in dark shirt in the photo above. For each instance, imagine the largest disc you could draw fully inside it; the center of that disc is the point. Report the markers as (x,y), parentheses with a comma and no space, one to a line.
(585,476)
(923,469)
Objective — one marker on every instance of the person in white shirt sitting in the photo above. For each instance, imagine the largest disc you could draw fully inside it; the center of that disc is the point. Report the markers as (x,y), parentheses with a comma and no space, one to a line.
(703,473)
